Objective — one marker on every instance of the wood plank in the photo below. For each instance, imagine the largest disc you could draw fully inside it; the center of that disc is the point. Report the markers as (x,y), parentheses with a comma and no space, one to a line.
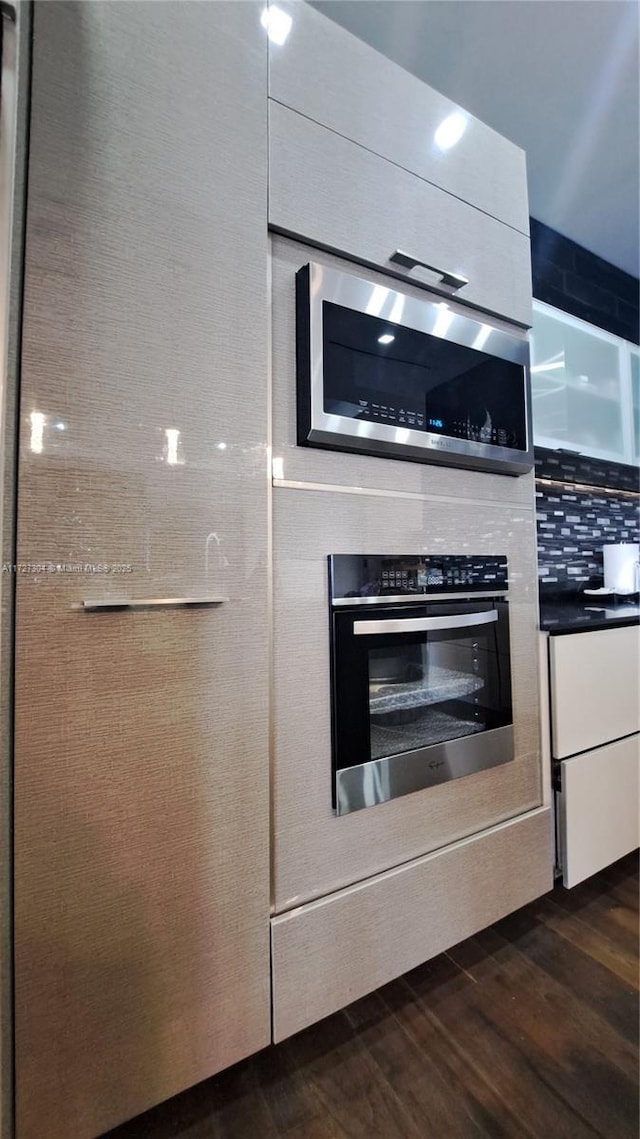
(568,1048)
(597,907)
(440,981)
(584,976)
(432,1101)
(346,1084)
(467,1022)
(294,1108)
(591,941)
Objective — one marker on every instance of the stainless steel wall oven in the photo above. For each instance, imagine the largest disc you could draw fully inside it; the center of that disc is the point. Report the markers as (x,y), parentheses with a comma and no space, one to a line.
(385,373)
(420,673)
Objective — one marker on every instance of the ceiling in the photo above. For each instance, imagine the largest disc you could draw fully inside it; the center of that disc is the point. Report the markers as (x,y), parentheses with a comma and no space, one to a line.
(558,77)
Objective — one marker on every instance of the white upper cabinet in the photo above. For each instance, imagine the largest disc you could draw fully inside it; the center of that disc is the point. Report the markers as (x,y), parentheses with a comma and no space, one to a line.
(333,78)
(580,394)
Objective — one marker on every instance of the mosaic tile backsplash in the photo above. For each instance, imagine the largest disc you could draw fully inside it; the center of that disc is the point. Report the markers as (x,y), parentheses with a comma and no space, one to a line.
(575,521)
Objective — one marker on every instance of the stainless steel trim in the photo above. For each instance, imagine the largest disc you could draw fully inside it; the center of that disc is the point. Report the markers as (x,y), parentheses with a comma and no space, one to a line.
(378,438)
(147,603)
(419,598)
(423,624)
(382,492)
(455,280)
(396,775)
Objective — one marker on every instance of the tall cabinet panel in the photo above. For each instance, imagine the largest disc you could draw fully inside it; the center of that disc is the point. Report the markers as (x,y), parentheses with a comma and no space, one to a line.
(141,770)
(14,102)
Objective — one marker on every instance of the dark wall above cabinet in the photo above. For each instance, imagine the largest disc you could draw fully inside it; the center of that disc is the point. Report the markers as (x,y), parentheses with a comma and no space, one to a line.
(571,278)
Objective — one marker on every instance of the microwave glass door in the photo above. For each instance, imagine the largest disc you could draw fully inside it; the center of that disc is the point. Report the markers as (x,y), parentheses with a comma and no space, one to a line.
(379,372)
(385,373)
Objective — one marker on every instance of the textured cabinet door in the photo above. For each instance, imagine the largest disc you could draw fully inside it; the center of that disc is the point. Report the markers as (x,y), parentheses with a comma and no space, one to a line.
(332,77)
(141,767)
(338,195)
(394,921)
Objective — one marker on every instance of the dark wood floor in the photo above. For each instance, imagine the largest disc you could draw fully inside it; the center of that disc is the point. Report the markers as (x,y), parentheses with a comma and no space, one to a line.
(529,1030)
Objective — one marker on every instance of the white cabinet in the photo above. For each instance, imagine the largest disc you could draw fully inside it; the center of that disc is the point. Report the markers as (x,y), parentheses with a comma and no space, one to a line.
(580,395)
(595,733)
(598,808)
(596,688)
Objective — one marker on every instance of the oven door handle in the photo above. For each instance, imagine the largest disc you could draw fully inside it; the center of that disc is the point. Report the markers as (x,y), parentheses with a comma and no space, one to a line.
(423,624)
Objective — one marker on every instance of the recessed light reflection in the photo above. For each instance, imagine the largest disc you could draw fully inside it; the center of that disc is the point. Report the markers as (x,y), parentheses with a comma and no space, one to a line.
(37,431)
(443,320)
(386,338)
(172,435)
(482,337)
(376,303)
(276,23)
(221,446)
(450,130)
(396,312)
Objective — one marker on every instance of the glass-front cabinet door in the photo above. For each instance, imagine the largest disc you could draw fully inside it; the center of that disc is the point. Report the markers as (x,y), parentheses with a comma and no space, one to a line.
(577,386)
(634,359)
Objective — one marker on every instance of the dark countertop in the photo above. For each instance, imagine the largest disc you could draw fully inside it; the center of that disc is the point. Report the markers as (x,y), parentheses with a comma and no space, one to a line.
(581,614)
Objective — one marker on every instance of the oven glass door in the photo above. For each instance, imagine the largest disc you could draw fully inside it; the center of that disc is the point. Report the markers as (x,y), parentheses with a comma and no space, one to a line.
(422,694)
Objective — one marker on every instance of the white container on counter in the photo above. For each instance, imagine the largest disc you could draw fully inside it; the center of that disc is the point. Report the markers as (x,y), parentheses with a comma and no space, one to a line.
(622,567)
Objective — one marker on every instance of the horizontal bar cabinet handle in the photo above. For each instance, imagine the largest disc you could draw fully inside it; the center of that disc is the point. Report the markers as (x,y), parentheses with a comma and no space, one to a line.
(446,277)
(90,605)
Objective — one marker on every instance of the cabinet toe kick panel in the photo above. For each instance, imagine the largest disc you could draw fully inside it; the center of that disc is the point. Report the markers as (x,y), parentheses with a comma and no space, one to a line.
(332,951)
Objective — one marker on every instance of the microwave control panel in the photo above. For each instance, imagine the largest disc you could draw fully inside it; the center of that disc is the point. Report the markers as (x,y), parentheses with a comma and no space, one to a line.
(484,431)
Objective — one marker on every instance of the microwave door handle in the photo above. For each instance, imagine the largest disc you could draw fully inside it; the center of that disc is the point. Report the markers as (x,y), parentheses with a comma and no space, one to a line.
(423,624)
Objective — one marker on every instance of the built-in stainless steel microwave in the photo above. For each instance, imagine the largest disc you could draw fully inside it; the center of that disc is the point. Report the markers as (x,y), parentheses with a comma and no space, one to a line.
(388,374)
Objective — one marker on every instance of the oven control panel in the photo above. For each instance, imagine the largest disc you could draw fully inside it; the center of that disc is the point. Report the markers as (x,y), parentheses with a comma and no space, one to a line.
(385,576)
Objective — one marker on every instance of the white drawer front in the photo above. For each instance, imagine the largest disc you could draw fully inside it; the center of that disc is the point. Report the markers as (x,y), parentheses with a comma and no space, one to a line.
(598,808)
(335,79)
(338,195)
(595,688)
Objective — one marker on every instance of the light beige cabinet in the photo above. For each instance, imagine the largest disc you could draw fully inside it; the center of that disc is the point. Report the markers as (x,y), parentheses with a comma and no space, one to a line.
(141,743)
(354,175)
(595,741)
(334,79)
(140,777)
(368,208)
(355,167)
